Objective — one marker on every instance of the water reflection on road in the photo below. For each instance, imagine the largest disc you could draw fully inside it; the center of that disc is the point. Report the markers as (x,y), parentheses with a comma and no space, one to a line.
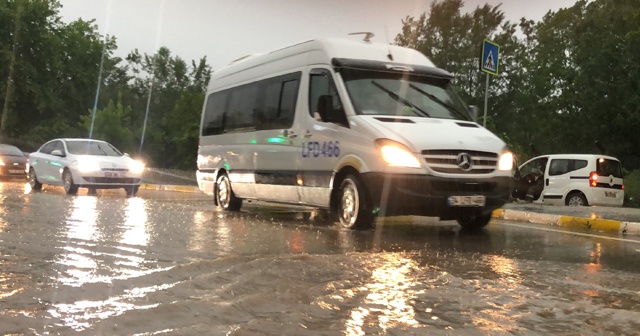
(152,264)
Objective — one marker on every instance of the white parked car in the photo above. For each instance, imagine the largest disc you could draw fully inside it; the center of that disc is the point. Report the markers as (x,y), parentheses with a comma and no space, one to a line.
(83,163)
(571,179)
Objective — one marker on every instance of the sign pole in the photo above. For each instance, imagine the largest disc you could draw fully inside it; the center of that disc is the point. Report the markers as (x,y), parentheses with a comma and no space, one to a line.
(486,98)
(489,65)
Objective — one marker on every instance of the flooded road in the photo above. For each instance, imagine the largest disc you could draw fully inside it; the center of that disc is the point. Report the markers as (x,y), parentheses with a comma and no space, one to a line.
(167,263)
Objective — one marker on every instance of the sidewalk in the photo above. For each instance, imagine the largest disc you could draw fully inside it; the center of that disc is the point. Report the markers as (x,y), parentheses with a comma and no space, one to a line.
(624,221)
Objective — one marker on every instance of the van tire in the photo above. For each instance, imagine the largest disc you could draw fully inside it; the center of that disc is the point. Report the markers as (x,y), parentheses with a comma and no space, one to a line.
(576,198)
(474,223)
(225,197)
(353,209)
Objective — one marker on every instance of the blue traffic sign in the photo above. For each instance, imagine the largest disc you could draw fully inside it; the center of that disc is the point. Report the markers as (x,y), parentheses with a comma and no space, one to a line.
(490,57)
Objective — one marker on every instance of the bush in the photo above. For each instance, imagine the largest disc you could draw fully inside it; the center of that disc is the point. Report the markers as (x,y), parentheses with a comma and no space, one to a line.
(632,189)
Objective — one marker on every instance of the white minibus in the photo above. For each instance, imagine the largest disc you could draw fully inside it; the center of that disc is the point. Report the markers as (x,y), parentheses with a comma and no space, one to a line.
(361,129)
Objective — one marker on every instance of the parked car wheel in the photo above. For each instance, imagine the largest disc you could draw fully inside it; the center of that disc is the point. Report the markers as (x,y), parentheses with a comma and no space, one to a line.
(576,199)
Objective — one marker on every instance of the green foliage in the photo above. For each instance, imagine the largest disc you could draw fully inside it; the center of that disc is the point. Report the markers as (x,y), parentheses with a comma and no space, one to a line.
(632,189)
(112,124)
(566,81)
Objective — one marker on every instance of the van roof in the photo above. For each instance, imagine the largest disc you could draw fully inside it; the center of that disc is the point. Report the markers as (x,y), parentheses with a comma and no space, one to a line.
(322,51)
(578,156)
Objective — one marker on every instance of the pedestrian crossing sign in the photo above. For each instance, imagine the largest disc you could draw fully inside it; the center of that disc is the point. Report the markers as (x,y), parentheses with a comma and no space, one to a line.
(490,57)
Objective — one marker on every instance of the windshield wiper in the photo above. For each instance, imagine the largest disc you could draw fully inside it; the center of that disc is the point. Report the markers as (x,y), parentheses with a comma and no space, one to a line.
(437,100)
(401,100)
(102,150)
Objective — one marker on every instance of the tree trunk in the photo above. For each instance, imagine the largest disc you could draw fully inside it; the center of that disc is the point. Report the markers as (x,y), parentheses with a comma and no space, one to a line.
(9,94)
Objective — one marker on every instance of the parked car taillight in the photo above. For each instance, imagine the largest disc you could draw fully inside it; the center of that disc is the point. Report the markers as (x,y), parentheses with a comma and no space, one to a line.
(593,179)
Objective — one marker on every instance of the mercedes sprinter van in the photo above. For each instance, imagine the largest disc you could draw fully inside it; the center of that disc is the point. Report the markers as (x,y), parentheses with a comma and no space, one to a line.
(361,129)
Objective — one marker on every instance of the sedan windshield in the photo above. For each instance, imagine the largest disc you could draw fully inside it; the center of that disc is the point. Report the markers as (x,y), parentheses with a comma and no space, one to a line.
(79,147)
(7,150)
(385,93)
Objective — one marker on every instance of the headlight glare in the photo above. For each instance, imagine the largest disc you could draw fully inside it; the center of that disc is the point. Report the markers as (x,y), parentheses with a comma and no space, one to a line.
(136,167)
(506,161)
(396,155)
(87,165)
(1,163)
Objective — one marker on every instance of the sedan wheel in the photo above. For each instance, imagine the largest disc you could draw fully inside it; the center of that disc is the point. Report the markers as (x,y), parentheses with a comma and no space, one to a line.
(69,187)
(33,180)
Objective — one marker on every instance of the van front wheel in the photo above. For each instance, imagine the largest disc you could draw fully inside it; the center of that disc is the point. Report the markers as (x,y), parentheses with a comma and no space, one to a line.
(353,209)
(225,197)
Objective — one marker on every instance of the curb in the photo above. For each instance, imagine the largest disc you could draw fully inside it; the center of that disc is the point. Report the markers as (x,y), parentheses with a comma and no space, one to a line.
(179,188)
(595,224)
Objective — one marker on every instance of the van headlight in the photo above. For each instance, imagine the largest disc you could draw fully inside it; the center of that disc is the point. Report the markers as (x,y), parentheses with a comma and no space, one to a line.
(396,154)
(136,167)
(506,161)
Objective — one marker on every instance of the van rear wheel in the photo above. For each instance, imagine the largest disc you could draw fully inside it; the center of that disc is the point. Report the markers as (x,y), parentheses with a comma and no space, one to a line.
(225,197)
(353,208)
(576,199)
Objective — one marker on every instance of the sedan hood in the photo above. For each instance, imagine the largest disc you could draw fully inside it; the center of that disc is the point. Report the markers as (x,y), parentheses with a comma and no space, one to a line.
(10,160)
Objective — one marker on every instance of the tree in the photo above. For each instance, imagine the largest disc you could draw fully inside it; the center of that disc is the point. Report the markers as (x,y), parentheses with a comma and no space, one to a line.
(112,124)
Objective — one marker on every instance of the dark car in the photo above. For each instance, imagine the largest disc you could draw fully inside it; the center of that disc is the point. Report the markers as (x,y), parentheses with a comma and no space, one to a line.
(13,162)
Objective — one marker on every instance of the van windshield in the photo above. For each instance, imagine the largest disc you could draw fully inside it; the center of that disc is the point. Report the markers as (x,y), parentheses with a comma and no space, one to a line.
(399,94)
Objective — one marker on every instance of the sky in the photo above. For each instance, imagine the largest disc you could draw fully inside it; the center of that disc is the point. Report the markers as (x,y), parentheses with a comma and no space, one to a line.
(224,30)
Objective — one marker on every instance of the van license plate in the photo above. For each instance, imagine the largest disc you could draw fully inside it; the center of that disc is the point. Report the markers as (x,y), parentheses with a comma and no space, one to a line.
(111,175)
(466,201)
(15,171)
(610,194)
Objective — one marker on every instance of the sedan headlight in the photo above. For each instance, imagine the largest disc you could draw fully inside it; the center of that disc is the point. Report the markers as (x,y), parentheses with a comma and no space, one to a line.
(396,154)
(87,165)
(136,167)
(1,163)
(506,161)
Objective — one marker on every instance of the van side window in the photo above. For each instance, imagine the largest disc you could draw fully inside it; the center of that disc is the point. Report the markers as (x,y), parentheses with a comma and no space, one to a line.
(563,166)
(281,96)
(321,85)
(214,113)
(262,105)
(242,107)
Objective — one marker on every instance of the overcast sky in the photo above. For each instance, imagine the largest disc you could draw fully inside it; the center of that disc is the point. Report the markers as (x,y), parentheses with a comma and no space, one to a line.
(224,30)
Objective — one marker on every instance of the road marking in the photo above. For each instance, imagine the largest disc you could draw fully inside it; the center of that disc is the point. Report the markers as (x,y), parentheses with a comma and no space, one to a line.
(573,233)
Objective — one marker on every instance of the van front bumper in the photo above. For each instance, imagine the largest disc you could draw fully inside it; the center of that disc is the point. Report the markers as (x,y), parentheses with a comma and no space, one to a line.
(425,195)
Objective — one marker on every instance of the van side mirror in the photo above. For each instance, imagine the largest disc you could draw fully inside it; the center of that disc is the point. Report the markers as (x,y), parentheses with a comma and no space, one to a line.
(474,113)
(57,152)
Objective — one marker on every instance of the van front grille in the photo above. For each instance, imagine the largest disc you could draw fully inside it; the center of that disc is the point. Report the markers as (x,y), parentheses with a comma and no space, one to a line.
(446,161)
